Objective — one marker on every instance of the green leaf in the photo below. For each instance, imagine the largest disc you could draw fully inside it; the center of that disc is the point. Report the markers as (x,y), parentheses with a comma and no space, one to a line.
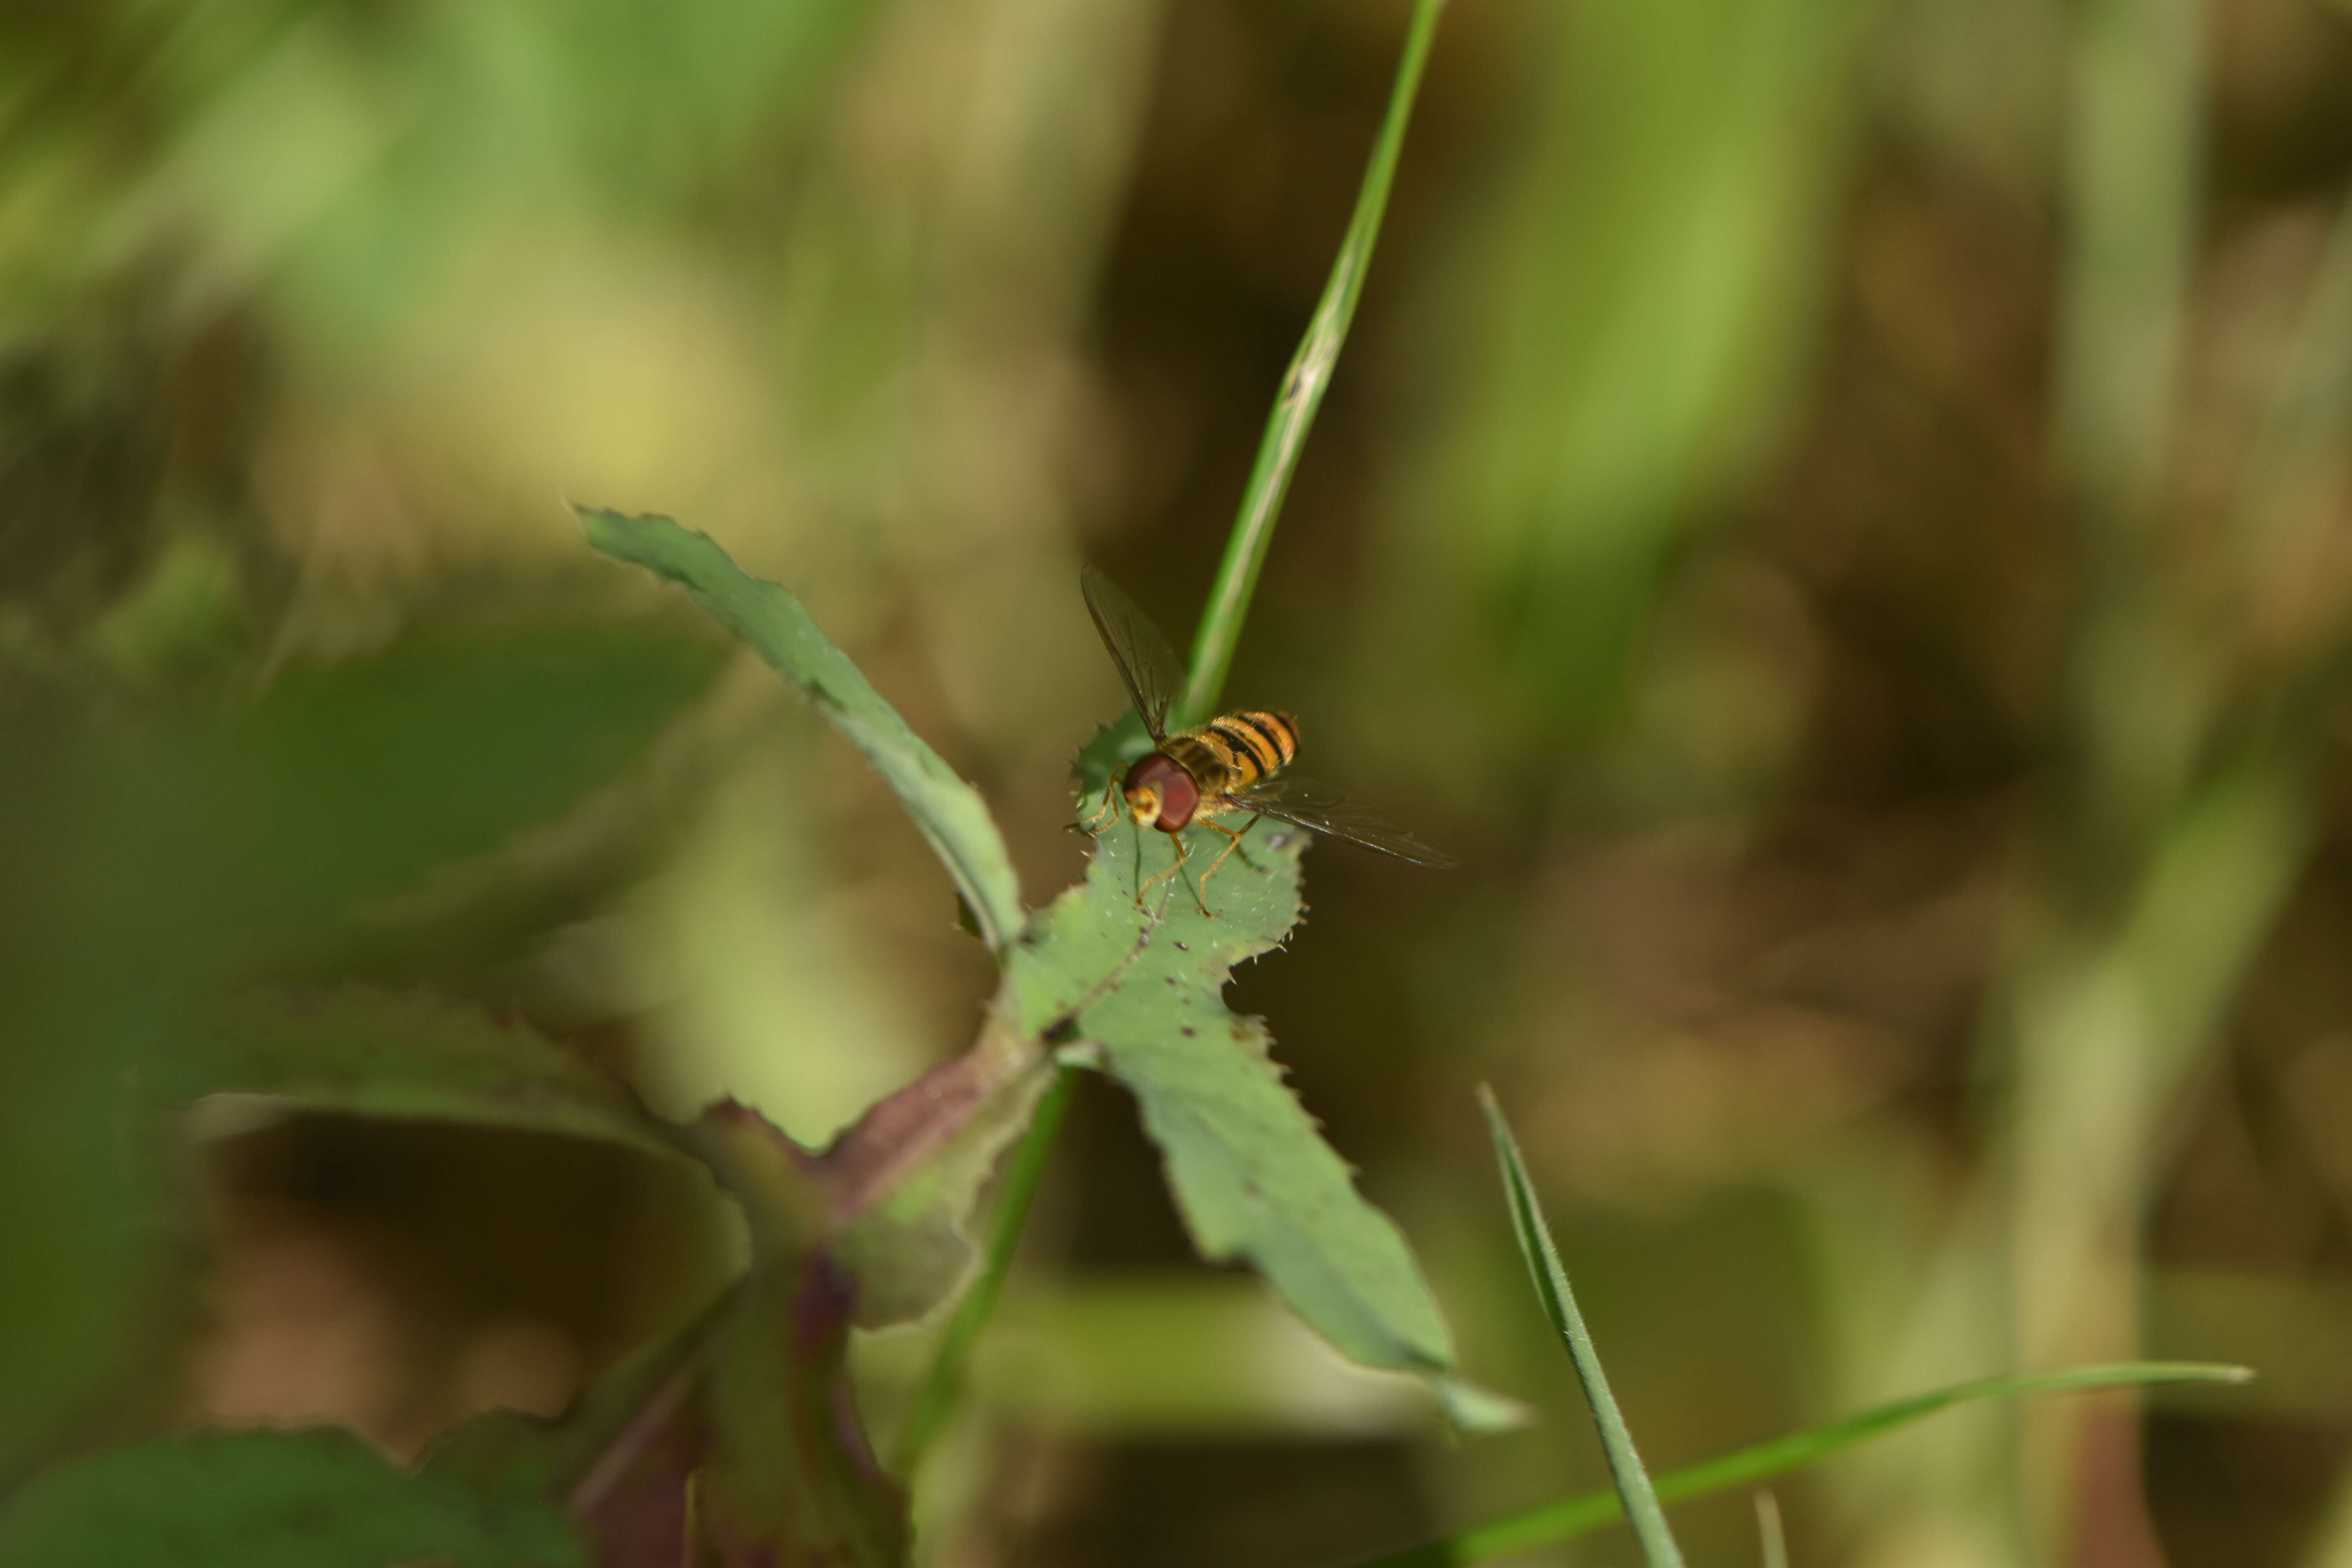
(949,811)
(350,782)
(386,1053)
(1588,1512)
(1252,1174)
(270,1499)
(1550,1280)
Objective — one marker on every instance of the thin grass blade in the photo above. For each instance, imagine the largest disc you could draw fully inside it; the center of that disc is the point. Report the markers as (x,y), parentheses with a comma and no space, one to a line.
(1303,386)
(1641,1501)
(1587,1511)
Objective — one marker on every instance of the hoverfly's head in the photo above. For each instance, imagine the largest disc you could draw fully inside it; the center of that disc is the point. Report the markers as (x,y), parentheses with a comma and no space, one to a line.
(1160,795)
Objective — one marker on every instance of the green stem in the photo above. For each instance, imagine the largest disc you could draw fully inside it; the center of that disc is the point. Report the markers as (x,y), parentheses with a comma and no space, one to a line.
(1302,393)
(942,1385)
(1213,657)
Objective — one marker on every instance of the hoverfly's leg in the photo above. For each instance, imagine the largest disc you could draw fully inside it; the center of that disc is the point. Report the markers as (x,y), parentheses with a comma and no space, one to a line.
(1095,822)
(1174,868)
(1236,835)
(1230,850)
(1206,913)
(1184,852)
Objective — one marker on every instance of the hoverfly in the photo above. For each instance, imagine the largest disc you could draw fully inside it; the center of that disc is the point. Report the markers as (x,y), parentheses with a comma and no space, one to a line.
(1226,767)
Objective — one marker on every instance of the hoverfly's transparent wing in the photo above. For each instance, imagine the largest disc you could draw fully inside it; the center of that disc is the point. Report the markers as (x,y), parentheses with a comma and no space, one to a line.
(1326,810)
(1146,662)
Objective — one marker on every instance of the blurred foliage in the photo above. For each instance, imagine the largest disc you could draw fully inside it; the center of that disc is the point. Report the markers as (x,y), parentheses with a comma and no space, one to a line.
(1629,314)
(270,1500)
(1903,846)
(160,854)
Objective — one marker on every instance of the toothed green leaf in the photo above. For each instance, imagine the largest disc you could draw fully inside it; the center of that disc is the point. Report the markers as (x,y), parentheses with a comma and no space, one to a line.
(1252,1174)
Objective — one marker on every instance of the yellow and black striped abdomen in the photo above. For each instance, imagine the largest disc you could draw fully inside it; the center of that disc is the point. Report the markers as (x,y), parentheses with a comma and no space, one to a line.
(1250,747)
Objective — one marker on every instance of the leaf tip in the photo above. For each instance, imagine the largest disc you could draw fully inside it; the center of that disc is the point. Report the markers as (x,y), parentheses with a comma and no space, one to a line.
(1497,1127)
(1476,1412)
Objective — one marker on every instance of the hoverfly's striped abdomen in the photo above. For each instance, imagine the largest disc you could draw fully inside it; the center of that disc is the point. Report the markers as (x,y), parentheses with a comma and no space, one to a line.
(1198,771)
(1220,768)
(1263,744)
(1237,751)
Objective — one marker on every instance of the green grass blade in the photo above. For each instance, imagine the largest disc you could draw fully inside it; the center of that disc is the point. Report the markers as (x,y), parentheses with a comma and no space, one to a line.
(1641,1502)
(1587,1511)
(948,812)
(942,1385)
(1303,386)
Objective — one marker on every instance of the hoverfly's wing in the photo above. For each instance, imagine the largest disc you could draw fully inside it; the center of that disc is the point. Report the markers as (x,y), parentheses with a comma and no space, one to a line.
(1146,662)
(1326,810)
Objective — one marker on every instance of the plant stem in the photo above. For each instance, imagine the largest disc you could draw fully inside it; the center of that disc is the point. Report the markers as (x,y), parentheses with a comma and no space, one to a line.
(1213,657)
(1303,386)
(942,1385)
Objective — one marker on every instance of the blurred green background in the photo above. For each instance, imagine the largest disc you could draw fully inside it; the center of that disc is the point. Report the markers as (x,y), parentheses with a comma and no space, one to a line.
(1836,510)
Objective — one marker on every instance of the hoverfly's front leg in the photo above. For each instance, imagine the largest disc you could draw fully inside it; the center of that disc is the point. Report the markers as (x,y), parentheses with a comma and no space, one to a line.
(1175,868)
(1094,822)
(1230,850)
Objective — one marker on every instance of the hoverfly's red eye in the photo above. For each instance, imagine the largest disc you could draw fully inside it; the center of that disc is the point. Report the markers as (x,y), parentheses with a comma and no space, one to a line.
(1159,773)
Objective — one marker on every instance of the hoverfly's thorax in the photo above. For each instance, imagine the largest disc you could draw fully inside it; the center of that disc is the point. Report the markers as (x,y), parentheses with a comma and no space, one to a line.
(1203,758)
(1161,794)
